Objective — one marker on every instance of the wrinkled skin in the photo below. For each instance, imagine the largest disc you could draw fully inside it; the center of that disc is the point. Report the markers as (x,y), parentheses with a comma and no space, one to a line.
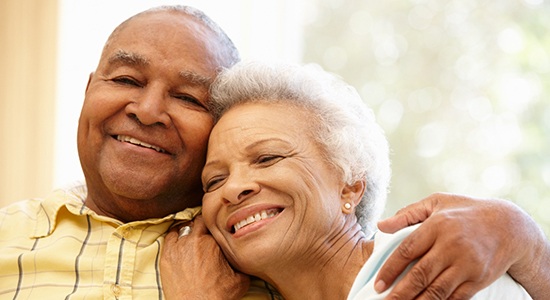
(199,252)
(137,91)
(151,84)
(488,238)
(274,178)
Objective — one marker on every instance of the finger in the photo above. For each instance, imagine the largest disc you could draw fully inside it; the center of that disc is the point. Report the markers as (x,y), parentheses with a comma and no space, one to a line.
(395,223)
(184,231)
(418,243)
(442,287)
(420,282)
(199,227)
(409,215)
(465,291)
(171,236)
(195,228)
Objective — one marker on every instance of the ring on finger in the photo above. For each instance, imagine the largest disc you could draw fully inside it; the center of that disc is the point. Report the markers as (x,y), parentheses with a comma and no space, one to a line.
(185,230)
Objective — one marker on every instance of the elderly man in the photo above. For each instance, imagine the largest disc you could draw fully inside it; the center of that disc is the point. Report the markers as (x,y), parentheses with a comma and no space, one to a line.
(141,140)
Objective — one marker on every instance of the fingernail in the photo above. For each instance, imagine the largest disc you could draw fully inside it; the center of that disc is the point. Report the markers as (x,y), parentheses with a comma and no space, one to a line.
(380,286)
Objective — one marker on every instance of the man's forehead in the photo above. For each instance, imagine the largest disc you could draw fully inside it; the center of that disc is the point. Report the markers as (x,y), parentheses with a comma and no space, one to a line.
(153,19)
(137,41)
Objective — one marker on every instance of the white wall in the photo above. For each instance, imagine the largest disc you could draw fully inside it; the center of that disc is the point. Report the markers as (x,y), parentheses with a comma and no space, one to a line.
(266,29)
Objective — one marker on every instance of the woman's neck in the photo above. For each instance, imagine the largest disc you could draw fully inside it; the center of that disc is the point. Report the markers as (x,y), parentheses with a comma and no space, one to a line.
(329,274)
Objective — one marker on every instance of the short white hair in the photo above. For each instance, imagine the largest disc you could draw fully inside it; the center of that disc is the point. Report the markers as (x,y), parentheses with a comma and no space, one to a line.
(344,126)
(227,49)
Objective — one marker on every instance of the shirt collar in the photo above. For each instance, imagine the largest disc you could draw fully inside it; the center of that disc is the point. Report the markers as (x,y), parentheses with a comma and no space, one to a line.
(72,199)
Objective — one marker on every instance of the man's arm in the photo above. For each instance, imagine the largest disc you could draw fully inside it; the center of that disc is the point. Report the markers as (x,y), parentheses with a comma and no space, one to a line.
(463,246)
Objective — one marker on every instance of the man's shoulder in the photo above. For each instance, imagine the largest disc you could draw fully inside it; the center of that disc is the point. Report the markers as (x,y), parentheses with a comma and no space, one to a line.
(18,219)
(384,245)
(22,208)
(30,215)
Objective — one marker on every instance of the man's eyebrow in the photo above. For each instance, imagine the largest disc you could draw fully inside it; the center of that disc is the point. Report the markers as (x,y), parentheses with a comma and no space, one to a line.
(134,59)
(130,58)
(195,78)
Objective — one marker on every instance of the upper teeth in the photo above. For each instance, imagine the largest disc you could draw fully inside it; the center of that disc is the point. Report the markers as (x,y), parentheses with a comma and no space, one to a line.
(262,215)
(125,138)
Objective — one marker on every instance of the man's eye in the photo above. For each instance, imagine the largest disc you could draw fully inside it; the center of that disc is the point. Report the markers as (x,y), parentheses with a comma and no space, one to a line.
(126,81)
(190,100)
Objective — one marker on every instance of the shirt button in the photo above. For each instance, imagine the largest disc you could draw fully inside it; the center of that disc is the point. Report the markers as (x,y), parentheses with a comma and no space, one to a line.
(115,288)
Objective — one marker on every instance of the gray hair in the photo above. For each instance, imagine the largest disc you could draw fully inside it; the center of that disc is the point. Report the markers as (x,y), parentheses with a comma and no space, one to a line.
(229,49)
(344,125)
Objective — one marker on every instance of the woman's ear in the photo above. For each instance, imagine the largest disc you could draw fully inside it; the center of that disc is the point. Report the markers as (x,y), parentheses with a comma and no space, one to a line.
(352,195)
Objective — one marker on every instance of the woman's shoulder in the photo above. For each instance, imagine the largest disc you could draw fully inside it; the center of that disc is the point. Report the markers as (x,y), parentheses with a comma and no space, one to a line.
(384,245)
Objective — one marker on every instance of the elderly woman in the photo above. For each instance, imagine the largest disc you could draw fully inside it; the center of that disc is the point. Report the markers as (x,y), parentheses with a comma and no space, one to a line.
(296,176)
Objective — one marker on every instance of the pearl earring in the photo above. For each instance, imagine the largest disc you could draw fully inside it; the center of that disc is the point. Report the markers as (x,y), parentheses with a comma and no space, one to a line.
(347,205)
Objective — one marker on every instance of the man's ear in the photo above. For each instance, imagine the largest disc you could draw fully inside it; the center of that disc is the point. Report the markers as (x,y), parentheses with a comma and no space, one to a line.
(89,80)
(353,193)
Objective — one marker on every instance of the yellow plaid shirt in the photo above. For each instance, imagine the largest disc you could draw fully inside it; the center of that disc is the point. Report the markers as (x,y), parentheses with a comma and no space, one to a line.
(57,248)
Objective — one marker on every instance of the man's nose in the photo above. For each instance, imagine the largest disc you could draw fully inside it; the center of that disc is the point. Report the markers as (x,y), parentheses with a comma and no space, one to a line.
(150,108)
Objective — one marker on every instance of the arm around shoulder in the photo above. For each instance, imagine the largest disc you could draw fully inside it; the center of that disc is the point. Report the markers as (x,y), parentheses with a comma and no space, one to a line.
(532,271)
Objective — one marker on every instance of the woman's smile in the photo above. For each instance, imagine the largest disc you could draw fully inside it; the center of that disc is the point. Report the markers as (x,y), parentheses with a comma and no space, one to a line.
(259,216)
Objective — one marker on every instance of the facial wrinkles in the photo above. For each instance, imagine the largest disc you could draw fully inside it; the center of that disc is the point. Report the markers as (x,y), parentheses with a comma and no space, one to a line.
(196,79)
(128,58)
(308,189)
(233,133)
(183,37)
(197,129)
(298,160)
(122,57)
(301,190)
(151,60)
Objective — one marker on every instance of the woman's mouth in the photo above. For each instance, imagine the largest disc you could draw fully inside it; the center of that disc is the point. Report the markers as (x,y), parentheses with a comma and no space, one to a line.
(261,215)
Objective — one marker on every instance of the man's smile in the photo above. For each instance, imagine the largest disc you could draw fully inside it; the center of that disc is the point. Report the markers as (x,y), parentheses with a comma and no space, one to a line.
(131,140)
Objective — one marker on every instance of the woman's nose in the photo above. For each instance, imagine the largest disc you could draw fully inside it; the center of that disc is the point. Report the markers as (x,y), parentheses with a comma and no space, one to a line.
(237,190)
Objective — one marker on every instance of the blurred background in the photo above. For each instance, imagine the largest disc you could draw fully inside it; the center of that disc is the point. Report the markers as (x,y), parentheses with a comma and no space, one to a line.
(460,87)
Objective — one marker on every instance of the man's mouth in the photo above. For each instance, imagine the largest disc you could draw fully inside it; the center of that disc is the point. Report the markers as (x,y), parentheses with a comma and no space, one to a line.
(134,141)
(261,215)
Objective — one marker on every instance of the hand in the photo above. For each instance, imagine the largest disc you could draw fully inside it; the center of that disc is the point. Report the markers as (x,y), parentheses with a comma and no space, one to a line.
(464,245)
(194,267)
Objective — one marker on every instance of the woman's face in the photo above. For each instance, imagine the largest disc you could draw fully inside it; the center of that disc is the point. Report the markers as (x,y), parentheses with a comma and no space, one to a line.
(270,195)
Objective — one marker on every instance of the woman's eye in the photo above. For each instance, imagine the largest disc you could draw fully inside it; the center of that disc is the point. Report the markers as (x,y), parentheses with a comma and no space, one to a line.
(212,184)
(268,159)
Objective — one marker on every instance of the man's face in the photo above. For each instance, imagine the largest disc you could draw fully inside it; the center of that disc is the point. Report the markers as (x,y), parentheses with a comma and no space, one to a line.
(143,128)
